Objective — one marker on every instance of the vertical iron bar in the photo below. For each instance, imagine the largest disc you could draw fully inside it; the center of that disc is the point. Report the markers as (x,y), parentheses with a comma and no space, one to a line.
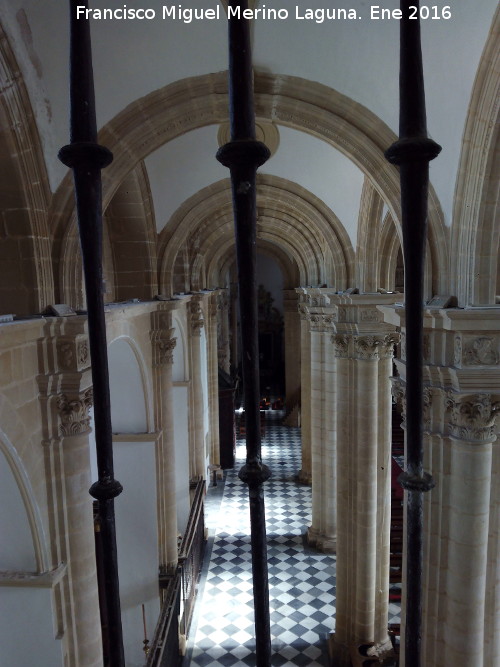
(413,152)
(87,158)
(243,155)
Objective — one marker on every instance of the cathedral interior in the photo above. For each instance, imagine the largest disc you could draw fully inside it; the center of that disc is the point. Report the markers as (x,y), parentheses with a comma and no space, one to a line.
(332,324)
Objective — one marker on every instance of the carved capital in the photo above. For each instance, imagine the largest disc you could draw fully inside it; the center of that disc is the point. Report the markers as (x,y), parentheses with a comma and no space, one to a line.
(341,345)
(321,322)
(163,346)
(196,319)
(472,417)
(399,392)
(374,347)
(304,313)
(74,414)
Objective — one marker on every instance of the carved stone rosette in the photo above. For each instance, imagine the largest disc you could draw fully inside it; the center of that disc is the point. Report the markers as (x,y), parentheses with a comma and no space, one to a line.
(472,417)
(163,346)
(74,413)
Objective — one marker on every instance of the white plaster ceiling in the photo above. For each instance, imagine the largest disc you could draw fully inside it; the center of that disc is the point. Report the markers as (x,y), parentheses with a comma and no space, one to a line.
(357,58)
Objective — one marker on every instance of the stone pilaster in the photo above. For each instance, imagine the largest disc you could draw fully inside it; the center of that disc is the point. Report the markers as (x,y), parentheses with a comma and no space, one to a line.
(163,344)
(323,530)
(66,400)
(213,378)
(198,453)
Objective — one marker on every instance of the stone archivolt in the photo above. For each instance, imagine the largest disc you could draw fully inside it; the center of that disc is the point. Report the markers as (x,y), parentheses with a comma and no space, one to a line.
(74,413)
(472,417)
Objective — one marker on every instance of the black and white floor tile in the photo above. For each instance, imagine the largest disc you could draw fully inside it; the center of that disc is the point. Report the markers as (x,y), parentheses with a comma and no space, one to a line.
(301,580)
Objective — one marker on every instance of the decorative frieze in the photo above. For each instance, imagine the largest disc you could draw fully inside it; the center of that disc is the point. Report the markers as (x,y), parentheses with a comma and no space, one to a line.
(472,417)
(481,351)
(74,413)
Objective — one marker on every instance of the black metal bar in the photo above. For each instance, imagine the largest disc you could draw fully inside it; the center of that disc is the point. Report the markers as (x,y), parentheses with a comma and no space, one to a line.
(243,155)
(413,152)
(87,158)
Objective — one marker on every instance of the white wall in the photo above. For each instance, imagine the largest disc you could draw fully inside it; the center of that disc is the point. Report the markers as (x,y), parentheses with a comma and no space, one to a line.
(16,542)
(27,634)
(137,543)
(128,405)
(181,438)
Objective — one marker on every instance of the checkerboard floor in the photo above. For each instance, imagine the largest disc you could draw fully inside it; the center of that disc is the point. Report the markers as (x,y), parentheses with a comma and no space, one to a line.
(301,580)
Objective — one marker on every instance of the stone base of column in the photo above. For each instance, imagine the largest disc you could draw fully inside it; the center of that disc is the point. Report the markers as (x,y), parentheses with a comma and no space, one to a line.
(327,544)
(359,655)
(304,477)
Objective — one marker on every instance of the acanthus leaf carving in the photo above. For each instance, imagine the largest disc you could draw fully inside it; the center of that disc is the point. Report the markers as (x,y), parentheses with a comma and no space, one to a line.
(472,417)
(74,413)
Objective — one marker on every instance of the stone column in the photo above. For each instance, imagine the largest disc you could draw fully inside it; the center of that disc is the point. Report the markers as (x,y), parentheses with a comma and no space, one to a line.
(223,333)
(305,472)
(292,358)
(363,347)
(213,379)
(461,589)
(198,455)
(471,420)
(75,475)
(323,530)
(163,344)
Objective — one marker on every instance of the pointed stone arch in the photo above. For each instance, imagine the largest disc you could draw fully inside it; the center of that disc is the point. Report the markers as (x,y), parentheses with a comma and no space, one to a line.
(475,233)
(25,258)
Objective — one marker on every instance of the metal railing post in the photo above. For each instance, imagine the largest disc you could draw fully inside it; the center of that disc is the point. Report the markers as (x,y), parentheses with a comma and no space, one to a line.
(86,157)
(413,152)
(243,155)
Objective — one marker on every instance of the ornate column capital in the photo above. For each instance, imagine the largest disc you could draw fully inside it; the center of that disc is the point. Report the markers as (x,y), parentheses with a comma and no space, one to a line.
(74,413)
(163,346)
(341,345)
(373,347)
(321,322)
(196,317)
(472,417)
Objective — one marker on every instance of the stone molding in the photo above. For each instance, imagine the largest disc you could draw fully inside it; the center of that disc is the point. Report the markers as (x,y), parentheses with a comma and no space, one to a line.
(74,413)
(471,417)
